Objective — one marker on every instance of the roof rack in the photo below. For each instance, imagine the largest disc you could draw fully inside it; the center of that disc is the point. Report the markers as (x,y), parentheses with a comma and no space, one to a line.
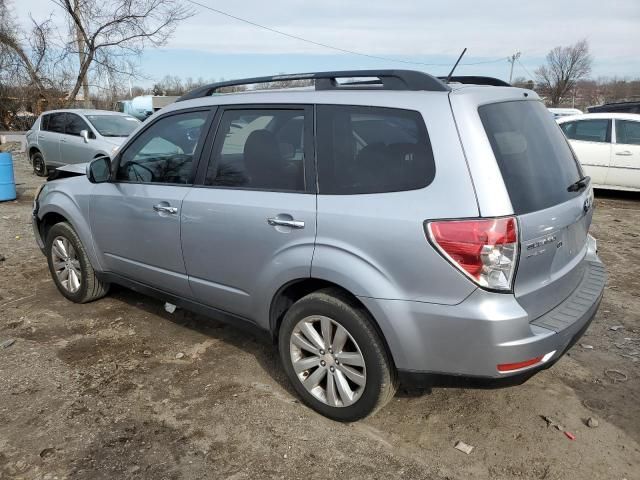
(476,80)
(382,79)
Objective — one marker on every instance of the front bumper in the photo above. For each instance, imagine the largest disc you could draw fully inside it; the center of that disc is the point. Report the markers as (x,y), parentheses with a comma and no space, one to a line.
(486,330)
(36,231)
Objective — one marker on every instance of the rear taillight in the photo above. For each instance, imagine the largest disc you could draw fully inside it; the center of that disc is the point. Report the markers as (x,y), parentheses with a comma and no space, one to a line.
(486,250)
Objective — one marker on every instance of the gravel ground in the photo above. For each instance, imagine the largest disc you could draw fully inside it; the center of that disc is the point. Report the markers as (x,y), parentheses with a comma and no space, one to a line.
(96,391)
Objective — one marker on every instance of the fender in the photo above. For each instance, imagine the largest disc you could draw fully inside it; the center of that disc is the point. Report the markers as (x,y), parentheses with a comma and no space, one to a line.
(55,199)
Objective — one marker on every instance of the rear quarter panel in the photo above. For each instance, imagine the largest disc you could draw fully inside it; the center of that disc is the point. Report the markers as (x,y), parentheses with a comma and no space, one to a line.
(375,244)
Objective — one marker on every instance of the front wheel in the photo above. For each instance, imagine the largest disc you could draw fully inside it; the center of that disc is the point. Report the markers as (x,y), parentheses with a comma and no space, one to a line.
(70,267)
(334,357)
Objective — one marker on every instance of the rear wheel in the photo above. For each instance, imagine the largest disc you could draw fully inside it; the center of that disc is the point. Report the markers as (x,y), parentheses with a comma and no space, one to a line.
(70,267)
(334,357)
(39,165)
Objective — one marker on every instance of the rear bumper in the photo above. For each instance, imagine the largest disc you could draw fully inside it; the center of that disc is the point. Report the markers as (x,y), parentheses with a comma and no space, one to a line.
(486,330)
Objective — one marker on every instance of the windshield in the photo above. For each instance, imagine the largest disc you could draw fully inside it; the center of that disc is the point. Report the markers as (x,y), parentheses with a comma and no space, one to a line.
(114,125)
(535,159)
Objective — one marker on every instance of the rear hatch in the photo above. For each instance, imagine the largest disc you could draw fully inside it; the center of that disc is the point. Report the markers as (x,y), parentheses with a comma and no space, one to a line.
(552,204)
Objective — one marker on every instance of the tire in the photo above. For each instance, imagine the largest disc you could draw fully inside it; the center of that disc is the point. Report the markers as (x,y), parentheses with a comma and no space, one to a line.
(39,165)
(86,287)
(377,371)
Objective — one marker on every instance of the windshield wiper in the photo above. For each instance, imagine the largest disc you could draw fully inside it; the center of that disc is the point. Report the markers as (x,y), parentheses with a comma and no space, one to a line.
(580,184)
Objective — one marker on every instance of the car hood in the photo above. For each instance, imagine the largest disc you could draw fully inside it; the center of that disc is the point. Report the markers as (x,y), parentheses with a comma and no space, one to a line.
(115,141)
(78,168)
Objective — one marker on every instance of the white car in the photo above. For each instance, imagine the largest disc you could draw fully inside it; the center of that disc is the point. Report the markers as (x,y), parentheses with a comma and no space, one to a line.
(564,112)
(608,147)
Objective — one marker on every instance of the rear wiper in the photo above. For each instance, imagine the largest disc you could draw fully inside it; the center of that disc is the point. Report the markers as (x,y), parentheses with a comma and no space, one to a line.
(580,184)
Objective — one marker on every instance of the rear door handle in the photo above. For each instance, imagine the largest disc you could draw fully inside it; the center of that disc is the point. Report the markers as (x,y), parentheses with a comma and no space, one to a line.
(279,222)
(625,153)
(165,209)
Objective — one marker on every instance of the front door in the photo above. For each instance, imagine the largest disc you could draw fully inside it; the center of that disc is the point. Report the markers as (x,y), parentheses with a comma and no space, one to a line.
(249,226)
(625,161)
(73,148)
(135,218)
(591,140)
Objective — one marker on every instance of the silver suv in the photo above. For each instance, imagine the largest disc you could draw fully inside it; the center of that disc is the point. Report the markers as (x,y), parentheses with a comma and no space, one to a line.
(60,137)
(380,227)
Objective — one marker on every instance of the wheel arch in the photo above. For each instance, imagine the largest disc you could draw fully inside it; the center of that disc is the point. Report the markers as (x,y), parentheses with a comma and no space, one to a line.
(65,210)
(294,290)
(34,149)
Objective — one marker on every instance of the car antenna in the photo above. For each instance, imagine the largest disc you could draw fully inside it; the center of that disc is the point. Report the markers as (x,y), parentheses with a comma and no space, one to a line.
(454,67)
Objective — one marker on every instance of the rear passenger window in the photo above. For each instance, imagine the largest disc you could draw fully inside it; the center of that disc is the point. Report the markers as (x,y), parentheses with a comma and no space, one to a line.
(372,150)
(259,149)
(56,122)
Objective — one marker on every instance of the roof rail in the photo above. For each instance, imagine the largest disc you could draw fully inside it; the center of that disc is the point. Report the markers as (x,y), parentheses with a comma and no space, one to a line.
(478,80)
(387,80)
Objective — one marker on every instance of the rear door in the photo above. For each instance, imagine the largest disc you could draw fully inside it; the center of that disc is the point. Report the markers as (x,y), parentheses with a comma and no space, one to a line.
(591,140)
(49,137)
(73,148)
(538,169)
(625,161)
(249,227)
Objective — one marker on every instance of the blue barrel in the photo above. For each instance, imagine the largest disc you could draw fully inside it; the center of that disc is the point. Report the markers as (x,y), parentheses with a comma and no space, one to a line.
(7,182)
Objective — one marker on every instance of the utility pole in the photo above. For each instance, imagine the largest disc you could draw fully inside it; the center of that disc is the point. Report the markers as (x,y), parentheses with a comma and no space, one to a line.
(512,60)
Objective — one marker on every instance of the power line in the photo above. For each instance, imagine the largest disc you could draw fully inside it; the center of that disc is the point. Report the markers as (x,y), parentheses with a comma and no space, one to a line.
(332,47)
(525,69)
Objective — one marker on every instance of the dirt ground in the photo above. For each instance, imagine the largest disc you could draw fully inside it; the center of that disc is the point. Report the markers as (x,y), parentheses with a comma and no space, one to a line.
(95,391)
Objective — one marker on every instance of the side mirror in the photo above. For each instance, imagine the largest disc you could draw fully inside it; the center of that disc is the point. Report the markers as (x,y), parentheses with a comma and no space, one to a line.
(99,170)
(85,135)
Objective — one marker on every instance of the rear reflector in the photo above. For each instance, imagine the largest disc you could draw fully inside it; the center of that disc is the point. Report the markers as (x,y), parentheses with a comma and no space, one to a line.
(484,249)
(510,367)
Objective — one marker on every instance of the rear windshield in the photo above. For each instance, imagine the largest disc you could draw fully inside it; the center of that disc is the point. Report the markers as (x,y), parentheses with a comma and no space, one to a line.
(534,157)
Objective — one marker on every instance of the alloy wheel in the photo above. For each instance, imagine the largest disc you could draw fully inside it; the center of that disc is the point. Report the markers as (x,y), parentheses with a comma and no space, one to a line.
(327,361)
(66,264)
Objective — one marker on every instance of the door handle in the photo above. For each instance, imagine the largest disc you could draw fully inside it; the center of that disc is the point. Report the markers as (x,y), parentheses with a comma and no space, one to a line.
(279,222)
(165,209)
(625,153)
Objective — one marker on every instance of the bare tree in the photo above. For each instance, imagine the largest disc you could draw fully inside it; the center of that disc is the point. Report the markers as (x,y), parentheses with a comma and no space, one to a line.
(22,54)
(107,33)
(564,67)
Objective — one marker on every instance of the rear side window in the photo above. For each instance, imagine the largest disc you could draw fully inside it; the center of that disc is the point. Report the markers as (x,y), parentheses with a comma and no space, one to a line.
(597,130)
(55,122)
(535,160)
(372,150)
(628,132)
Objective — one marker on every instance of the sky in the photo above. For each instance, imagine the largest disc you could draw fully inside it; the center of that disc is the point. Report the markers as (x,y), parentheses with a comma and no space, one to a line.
(212,46)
